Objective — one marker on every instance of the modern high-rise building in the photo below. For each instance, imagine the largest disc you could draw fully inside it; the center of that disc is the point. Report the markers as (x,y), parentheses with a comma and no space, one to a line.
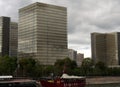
(42,32)
(106,48)
(13,39)
(79,59)
(4,35)
(72,54)
(7,48)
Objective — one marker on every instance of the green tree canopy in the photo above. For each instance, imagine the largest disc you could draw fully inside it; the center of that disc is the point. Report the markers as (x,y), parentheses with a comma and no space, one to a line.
(87,66)
(87,62)
(100,65)
(65,65)
(27,65)
(7,65)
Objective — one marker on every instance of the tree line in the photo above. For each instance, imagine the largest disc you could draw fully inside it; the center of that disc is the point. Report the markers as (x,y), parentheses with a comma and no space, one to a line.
(28,67)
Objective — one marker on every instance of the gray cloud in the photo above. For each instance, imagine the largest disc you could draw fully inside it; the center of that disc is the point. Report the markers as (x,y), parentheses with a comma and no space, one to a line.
(10,7)
(84,17)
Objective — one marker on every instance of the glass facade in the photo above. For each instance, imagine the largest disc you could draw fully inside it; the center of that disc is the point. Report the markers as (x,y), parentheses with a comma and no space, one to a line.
(42,32)
(8,37)
(105,48)
(4,35)
(13,39)
(1,26)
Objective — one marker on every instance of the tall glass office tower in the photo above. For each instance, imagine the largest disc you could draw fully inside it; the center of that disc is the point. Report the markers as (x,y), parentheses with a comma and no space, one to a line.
(106,48)
(13,39)
(4,35)
(42,33)
(8,37)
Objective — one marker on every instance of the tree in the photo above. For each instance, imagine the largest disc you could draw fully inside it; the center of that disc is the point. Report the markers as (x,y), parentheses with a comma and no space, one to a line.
(87,62)
(100,65)
(27,65)
(87,66)
(7,65)
(65,65)
(59,64)
(47,70)
(100,68)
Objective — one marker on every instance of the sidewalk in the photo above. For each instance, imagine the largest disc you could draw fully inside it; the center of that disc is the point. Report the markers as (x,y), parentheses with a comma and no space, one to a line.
(102,80)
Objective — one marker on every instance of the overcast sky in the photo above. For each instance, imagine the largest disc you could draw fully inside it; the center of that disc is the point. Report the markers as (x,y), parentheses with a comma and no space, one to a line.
(84,17)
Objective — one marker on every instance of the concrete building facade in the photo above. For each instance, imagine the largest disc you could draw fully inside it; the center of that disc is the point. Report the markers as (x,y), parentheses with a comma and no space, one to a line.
(72,54)
(105,48)
(80,58)
(42,33)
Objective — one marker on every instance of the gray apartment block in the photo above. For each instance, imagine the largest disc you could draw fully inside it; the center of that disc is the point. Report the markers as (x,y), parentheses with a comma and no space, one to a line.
(72,54)
(80,57)
(106,48)
(6,41)
(42,33)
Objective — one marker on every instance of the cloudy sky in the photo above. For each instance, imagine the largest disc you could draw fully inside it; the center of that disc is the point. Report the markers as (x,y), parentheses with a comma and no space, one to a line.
(84,17)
